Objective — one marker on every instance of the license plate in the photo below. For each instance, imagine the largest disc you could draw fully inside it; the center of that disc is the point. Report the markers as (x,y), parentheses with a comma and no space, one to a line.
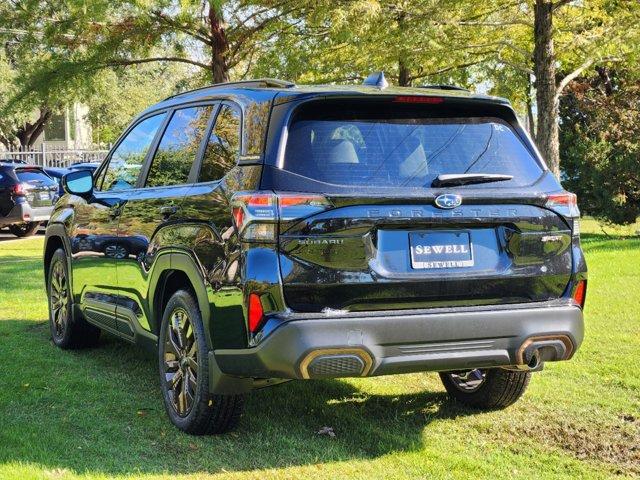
(440,250)
(44,196)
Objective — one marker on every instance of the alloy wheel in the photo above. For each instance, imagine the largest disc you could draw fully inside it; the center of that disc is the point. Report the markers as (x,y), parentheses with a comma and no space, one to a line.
(59,298)
(468,381)
(181,362)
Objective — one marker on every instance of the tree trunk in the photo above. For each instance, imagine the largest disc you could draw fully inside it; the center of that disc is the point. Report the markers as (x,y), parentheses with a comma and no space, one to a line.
(531,122)
(29,132)
(404,74)
(404,79)
(219,45)
(547,136)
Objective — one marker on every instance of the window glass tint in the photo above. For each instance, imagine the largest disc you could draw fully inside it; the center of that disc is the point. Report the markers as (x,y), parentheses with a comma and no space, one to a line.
(223,146)
(34,177)
(406,152)
(179,147)
(127,159)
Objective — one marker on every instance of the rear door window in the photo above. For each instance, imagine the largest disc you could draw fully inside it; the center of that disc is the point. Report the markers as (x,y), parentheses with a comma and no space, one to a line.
(387,150)
(223,146)
(179,146)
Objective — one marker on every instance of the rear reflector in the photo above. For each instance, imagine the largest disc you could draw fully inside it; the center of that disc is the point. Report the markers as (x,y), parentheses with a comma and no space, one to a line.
(579,293)
(256,313)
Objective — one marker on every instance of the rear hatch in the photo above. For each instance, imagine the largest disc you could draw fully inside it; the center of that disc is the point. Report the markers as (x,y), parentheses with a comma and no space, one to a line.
(390,230)
(39,189)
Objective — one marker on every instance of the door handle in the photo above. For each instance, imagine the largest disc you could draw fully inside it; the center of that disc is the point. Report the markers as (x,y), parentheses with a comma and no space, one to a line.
(168,210)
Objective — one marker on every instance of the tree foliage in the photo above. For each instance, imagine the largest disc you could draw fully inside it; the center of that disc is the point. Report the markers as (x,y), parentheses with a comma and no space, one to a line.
(600,140)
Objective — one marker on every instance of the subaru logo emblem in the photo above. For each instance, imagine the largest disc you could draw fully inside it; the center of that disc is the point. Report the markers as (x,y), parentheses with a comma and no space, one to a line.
(448,201)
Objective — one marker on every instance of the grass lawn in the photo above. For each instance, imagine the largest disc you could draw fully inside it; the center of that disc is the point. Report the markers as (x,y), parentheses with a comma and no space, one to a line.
(98,413)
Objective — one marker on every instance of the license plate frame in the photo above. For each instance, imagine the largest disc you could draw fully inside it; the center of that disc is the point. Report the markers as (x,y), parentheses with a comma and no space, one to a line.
(441,249)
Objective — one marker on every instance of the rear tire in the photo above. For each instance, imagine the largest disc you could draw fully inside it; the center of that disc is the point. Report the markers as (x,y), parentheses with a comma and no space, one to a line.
(67,332)
(24,229)
(498,389)
(184,372)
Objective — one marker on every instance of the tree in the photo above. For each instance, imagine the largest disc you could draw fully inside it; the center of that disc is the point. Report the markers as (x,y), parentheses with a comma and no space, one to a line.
(414,42)
(600,141)
(213,37)
(19,127)
(554,42)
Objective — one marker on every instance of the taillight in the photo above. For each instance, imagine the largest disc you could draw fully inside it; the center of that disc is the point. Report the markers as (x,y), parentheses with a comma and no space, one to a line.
(580,292)
(566,204)
(256,313)
(256,215)
(19,190)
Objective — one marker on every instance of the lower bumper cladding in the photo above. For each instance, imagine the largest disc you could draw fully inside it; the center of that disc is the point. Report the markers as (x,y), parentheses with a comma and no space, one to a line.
(351,344)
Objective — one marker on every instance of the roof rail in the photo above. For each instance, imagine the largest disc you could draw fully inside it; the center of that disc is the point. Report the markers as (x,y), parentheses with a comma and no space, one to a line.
(445,87)
(257,83)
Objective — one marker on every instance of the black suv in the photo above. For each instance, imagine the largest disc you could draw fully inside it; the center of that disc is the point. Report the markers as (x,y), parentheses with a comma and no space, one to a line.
(256,232)
(27,195)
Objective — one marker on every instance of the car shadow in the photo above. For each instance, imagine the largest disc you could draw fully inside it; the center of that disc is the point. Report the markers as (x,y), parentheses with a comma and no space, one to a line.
(100,411)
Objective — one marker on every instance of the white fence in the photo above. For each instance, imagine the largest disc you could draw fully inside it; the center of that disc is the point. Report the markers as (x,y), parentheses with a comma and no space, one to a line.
(53,158)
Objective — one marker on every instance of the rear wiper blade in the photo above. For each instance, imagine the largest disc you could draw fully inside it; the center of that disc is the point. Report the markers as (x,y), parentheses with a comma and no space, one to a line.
(453,179)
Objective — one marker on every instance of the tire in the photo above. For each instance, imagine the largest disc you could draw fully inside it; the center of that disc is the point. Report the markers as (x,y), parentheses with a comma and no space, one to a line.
(182,355)
(24,229)
(67,332)
(498,388)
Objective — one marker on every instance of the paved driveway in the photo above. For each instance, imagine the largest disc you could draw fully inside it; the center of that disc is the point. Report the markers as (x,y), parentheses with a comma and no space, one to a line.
(6,236)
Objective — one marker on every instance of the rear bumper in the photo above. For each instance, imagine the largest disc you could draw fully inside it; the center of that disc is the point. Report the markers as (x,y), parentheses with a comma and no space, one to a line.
(381,343)
(23,212)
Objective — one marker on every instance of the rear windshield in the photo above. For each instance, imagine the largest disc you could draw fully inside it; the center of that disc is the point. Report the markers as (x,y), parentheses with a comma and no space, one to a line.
(369,149)
(35,177)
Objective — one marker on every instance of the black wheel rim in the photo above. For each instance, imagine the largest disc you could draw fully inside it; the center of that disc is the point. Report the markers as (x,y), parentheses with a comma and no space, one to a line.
(468,381)
(59,299)
(22,227)
(181,362)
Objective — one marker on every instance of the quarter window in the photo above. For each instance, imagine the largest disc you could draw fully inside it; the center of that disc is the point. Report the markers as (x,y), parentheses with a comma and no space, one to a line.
(223,146)
(127,159)
(179,147)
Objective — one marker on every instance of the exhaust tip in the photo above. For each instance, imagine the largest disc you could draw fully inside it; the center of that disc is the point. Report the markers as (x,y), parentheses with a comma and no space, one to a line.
(336,362)
(536,350)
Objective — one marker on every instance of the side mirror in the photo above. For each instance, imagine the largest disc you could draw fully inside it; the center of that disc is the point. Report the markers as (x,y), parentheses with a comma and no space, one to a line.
(78,183)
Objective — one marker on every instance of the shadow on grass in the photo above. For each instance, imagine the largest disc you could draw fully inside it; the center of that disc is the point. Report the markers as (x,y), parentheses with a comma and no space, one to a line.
(100,411)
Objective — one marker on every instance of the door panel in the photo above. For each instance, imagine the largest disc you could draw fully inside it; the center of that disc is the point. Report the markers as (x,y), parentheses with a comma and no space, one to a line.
(95,227)
(149,222)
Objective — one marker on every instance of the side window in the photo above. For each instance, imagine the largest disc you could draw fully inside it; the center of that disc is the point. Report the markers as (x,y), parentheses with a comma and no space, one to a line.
(179,147)
(223,146)
(128,157)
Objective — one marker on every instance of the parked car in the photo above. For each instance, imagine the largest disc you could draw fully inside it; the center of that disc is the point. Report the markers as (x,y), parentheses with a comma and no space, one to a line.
(56,174)
(91,166)
(27,195)
(306,232)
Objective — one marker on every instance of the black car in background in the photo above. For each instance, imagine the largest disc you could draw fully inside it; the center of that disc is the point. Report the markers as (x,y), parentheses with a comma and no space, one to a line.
(256,232)
(27,196)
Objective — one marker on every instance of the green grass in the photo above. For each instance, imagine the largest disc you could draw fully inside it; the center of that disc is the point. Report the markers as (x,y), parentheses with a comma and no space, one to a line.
(98,413)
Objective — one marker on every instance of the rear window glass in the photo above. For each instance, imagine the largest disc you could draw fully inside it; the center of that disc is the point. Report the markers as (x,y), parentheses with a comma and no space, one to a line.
(34,176)
(368,149)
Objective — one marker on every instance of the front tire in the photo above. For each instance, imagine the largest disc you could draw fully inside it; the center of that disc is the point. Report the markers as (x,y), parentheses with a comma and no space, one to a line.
(66,332)
(486,389)
(22,230)
(184,372)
